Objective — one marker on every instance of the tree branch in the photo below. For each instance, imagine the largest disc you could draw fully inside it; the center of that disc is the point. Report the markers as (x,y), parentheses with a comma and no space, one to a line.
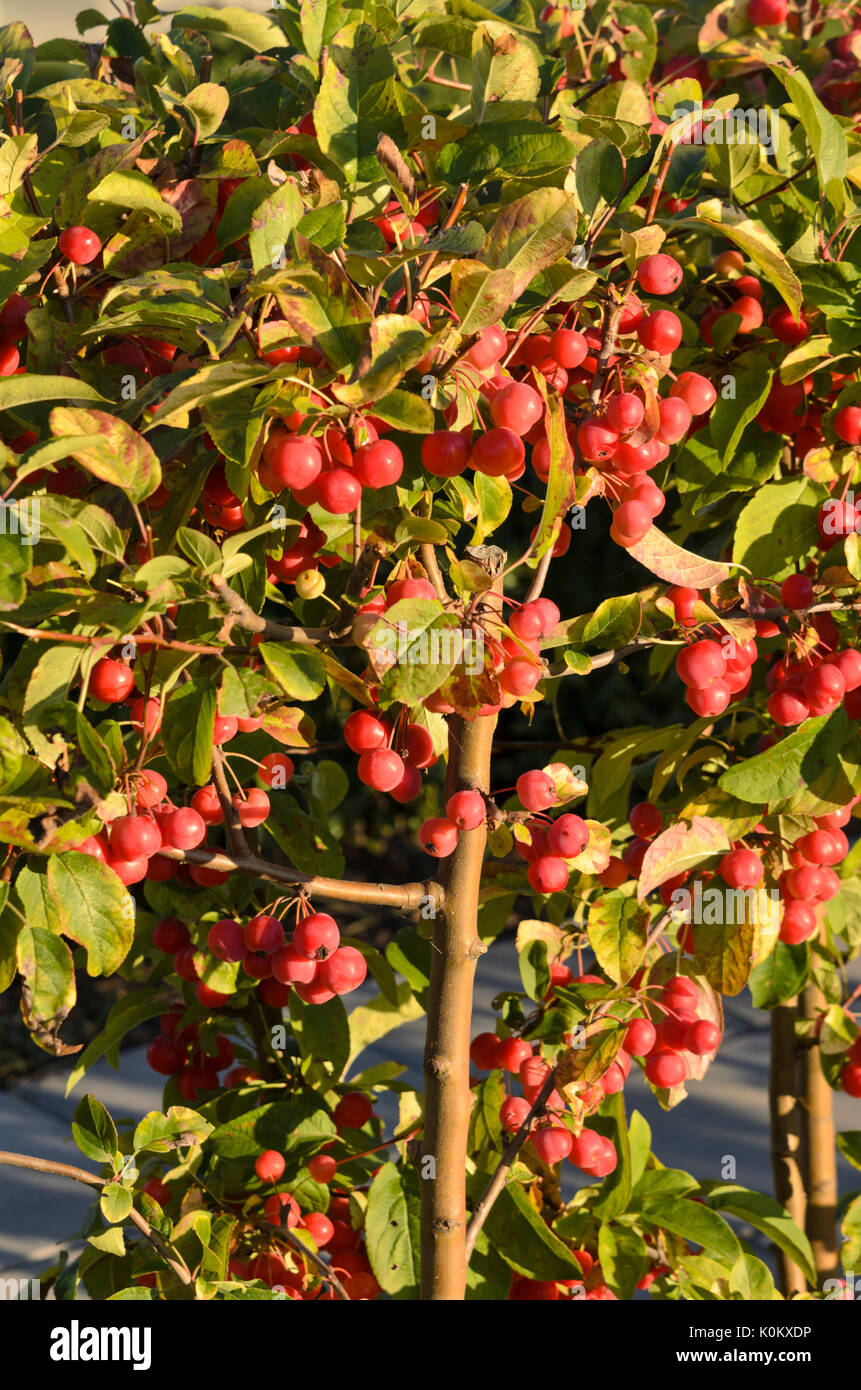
(509,1153)
(245,617)
(408,897)
(610,658)
(235,835)
(284,1233)
(67,1170)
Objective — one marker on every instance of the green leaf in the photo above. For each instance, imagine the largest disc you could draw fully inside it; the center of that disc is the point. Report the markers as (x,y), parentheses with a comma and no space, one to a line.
(122,456)
(524,1241)
(187,728)
(218,1248)
(10,926)
(751,1280)
(325,226)
(824,132)
(17,153)
(48,992)
(311,845)
(94,1131)
(392,1230)
(46,689)
(781,976)
(505,75)
(372,1021)
(324,1036)
(406,411)
(784,769)
(200,549)
(701,477)
(133,190)
(849,1144)
(850,1228)
(529,236)
(623,1258)
(410,955)
(610,778)
(776,531)
(297,1127)
(534,969)
(766,1215)
(115,1202)
(729,417)
(112,1242)
(321,307)
(615,621)
(16,391)
(616,1189)
(207,106)
(14,271)
(494,497)
(271,224)
(255,31)
(598,175)
(754,240)
(93,908)
(180,1128)
(696,1223)
(617,928)
(357,101)
(725,949)
(319,20)
(586,1064)
(210,383)
(639,40)
(525,148)
(395,343)
(485,1129)
(299,670)
(14,564)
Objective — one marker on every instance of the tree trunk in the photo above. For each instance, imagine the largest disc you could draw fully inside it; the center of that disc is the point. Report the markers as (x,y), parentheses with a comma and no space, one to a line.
(822,1156)
(448,1101)
(786,1128)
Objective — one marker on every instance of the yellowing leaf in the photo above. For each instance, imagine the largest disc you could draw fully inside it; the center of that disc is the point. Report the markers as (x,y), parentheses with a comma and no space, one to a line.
(122,457)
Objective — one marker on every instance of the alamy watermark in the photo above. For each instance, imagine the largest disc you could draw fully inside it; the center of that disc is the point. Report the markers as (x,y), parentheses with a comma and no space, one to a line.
(21,519)
(715,906)
(834,514)
(743,126)
(77,1343)
(448,646)
(14,1290)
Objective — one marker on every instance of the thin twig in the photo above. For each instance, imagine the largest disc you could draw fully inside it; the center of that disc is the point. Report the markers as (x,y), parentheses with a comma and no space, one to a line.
(67,1170)
(235,834)
(509,1153)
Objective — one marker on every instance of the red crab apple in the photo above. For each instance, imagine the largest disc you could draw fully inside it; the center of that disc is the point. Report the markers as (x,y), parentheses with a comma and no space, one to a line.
(79,245)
